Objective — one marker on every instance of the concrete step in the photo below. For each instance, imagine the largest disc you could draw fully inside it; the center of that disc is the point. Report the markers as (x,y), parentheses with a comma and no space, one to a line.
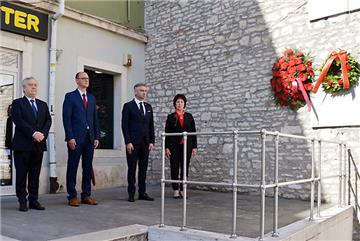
(134,232)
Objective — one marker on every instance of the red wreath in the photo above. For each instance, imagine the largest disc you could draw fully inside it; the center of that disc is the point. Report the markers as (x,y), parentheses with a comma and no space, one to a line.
(292,79)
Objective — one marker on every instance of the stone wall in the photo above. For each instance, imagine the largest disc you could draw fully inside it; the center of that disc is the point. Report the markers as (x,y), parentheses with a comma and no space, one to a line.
(220,54)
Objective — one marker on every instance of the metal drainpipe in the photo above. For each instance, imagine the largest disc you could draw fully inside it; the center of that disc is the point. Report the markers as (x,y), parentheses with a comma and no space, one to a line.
(54,185)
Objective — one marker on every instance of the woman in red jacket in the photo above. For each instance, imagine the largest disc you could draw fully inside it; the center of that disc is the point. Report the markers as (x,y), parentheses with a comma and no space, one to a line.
(178,122)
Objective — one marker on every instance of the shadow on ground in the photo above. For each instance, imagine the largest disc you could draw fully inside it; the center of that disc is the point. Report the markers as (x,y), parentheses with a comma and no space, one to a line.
(211,211)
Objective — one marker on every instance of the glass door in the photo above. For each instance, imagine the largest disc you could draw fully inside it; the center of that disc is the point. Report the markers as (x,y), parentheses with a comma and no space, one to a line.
(9,66)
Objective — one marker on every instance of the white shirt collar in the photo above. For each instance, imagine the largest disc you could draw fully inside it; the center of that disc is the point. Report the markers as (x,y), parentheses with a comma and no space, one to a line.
(29,99)
(81,93)
(138,101)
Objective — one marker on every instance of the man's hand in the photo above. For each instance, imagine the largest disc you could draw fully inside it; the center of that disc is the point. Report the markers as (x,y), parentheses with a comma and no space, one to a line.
(167,153)
(129,148)
(38,136)
(96,143)
(151,147)
(194,152)
(71,144)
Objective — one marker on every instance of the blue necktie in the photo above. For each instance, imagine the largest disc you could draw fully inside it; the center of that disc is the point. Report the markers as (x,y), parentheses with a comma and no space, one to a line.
(34,108)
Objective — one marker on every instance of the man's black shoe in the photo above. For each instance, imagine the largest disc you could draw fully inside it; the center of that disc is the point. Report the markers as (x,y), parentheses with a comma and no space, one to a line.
(131,199)
(145,197)
(23,207)
(36,205)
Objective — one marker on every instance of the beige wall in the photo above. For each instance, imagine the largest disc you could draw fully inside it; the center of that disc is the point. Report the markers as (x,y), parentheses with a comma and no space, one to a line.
(81,44)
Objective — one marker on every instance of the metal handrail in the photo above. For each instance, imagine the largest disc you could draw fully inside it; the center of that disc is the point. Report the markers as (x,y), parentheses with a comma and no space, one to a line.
(314,180)
(351,162)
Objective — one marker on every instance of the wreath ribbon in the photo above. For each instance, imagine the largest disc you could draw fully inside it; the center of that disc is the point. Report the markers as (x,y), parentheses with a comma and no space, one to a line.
(301,87)
(341,55)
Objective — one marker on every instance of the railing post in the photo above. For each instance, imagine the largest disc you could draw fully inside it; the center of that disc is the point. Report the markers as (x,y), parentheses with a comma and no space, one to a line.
(262,185)
(312,183)
(349,178)
(162,207)
(234,186)
(319,182)
(344,175)
(183,228)
(275,232)
(340,175)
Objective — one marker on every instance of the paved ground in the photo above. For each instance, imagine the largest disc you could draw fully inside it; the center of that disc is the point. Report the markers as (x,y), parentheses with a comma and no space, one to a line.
(206,211)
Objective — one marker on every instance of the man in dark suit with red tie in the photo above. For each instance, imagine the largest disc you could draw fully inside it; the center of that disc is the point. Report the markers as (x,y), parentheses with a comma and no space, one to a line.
(138,129)
(82,136)
(32,124)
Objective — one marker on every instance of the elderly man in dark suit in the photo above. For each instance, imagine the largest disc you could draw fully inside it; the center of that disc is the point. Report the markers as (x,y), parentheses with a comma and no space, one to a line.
(138,129)
(82,136)
(32,124)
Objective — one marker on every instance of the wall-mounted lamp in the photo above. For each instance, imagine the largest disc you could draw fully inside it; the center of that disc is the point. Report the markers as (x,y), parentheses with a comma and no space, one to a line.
(127,60)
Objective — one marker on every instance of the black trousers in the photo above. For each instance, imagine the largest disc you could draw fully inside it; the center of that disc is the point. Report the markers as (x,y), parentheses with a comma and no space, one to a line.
(138,157)
(28,166)
(176,164)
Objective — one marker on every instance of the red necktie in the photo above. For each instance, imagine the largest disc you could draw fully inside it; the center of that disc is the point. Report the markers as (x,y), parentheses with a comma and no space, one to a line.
(84,101)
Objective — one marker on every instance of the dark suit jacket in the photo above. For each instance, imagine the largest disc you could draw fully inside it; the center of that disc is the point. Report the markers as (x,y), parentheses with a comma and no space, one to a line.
(173,126)
(26,124)
(135,126)
(77,119)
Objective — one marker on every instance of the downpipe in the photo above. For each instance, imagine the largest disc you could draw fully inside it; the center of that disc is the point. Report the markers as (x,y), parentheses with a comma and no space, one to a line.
(54,185)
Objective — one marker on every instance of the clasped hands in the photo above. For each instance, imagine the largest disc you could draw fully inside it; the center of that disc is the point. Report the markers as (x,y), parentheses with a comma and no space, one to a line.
(72,144)
(130,147)
(38,136)
(168,152)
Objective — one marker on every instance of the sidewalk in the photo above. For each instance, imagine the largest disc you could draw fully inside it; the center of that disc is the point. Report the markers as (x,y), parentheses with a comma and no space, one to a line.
(211,211)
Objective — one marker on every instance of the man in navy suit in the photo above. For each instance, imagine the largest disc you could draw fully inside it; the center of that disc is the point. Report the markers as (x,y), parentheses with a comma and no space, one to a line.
(138,129)
(32,124)
(82,136)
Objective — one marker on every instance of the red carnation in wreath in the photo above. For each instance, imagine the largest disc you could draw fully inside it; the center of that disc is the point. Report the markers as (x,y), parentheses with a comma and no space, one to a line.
(292,79)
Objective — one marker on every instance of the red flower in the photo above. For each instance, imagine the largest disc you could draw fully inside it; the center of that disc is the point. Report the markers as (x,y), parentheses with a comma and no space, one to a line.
(348,67)
(276,65)
(308,63)
(340,82)
(281,60)
(291,63)
(310,72)
(292,70)
(298,61)
(301,67)
(289,51)
(308,86)
(302,77)
(299,54)
(330,82)
(284,66)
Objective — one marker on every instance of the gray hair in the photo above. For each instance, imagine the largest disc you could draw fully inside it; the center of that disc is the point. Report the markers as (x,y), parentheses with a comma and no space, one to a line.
(140,85)
(24,82)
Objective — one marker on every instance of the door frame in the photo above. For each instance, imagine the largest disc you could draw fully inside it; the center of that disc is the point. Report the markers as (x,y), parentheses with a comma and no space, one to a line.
(24,48)
(15,72)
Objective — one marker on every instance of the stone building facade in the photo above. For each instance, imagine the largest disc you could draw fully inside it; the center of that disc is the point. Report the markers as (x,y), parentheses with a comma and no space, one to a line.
(220,54)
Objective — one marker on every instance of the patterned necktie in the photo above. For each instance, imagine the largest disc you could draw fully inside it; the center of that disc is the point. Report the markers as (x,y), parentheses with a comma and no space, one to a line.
(84,101)
(142,109)
(34,108)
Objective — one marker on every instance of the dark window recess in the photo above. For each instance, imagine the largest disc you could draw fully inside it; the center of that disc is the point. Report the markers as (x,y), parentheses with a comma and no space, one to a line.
(102,87)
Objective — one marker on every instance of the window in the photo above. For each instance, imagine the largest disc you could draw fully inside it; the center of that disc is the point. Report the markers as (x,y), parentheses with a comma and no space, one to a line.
(102,86)
(325,8)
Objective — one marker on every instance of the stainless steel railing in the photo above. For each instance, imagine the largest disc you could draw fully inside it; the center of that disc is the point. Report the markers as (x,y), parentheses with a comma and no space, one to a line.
(313,180)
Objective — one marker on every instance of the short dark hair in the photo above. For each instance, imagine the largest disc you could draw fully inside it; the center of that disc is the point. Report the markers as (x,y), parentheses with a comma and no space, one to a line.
(179,96)
(77,74)
(139,84)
